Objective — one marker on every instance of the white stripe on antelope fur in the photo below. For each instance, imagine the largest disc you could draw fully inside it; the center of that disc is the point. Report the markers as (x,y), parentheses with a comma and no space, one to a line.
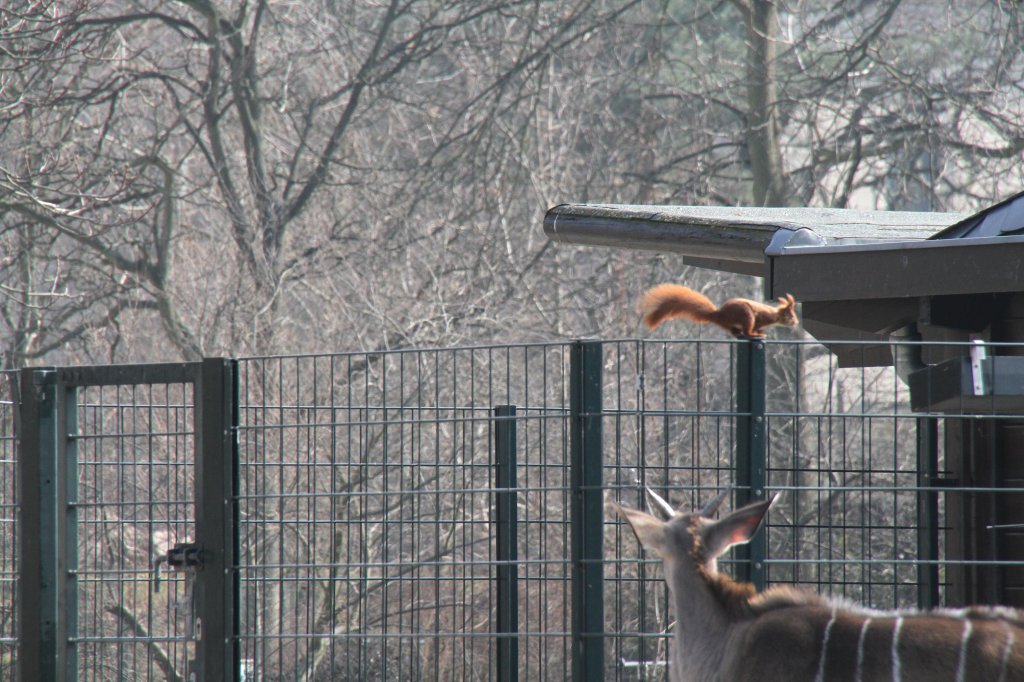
(860,650)
(732,633)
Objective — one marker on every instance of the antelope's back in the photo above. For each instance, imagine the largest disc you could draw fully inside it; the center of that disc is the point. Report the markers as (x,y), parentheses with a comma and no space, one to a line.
(833,644)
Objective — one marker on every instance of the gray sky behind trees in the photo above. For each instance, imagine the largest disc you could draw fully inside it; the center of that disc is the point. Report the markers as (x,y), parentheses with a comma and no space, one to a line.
(192,178)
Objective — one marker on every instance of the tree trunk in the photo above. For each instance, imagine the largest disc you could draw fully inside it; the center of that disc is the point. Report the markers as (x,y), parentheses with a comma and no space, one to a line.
(769,183)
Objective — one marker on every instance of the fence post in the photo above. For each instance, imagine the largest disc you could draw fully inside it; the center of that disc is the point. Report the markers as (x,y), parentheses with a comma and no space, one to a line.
(216,485)
(927,512)
(505,532)
(751,451)
(47,543)
(587,511)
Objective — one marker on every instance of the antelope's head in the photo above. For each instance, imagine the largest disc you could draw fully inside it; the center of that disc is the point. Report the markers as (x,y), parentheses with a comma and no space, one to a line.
(688,541)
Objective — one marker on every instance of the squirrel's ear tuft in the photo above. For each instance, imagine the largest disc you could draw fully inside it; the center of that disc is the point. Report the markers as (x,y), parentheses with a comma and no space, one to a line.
(792,301)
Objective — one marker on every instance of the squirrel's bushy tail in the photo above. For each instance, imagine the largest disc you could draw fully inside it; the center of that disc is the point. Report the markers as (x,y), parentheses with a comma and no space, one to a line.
(667,301)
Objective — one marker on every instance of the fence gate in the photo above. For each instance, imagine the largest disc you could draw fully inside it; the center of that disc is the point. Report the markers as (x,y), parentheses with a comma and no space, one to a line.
(127,481)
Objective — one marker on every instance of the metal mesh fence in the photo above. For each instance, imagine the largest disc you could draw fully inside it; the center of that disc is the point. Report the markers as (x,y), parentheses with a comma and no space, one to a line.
(867,483)
(368,547)
(669,424)
(840,447)
(368,483)
(843,449)
(370,495)
(134,449)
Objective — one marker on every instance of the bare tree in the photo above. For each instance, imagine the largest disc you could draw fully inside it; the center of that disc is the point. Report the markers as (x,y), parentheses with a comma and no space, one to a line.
(191,178)
(256,144)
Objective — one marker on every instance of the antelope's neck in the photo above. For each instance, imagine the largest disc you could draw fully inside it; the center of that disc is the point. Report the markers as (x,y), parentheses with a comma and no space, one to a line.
(702,633)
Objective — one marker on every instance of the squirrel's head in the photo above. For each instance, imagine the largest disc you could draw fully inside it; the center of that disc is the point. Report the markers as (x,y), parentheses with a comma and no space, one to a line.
(787,311)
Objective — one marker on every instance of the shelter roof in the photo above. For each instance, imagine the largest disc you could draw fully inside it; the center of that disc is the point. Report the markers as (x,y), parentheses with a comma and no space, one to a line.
(859,275)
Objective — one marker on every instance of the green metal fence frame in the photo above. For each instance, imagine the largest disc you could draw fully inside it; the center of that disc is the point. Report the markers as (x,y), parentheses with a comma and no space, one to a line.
(587,510)
(47,460)
(42,569)
(751,453)
(506,537)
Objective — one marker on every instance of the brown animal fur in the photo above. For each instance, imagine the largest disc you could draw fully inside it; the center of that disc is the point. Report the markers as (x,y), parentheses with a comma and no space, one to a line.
(740,317)
(728,632)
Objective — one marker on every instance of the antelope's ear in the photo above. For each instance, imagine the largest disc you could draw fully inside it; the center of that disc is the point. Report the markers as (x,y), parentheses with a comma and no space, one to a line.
(735,529)
(648,530)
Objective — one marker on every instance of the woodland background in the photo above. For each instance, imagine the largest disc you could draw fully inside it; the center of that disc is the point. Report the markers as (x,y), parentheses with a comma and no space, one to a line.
(196,178)
(180,179)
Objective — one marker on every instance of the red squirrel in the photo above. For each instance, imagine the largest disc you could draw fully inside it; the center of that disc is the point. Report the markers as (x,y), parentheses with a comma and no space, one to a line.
(740,317)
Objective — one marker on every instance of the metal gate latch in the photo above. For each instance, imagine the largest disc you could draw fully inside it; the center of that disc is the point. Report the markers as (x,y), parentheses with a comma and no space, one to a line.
(182,555)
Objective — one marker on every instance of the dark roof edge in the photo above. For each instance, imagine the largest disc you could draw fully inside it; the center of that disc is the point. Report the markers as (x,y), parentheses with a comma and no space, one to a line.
(796,249)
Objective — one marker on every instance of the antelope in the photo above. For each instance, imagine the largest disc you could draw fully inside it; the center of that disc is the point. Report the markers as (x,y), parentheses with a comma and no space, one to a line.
(728,632)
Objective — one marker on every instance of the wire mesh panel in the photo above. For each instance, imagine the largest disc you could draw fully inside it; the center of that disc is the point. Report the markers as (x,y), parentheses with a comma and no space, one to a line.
(886,499)
(367,493)
(670,424)
(896,494)
(843,451)
(134,446)
(840,448)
